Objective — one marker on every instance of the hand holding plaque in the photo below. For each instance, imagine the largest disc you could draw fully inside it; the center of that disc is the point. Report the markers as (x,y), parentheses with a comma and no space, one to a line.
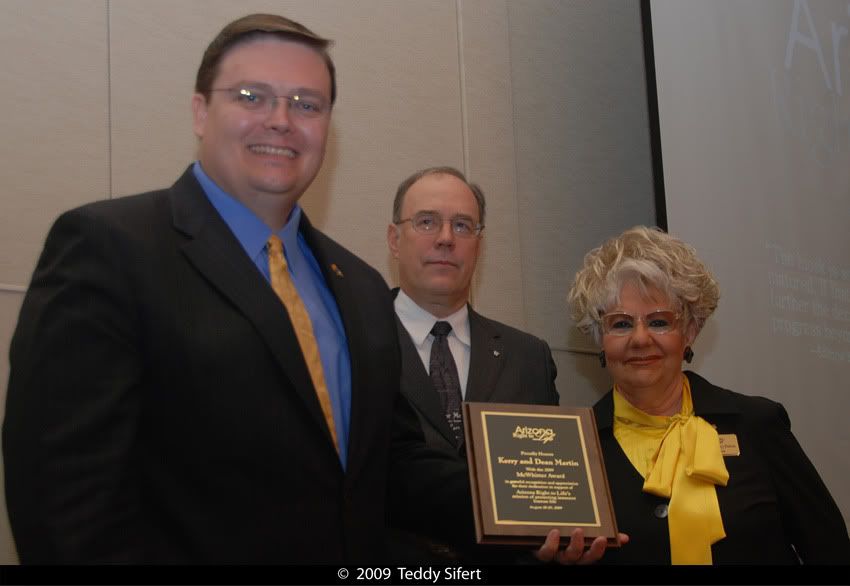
(534,468)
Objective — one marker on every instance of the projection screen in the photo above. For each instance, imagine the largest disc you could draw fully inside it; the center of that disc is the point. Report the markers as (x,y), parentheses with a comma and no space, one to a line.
(754,120)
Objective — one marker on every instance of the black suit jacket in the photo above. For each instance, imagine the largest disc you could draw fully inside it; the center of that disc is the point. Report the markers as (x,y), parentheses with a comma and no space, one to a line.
(159,408)
(506,366)
(774,500)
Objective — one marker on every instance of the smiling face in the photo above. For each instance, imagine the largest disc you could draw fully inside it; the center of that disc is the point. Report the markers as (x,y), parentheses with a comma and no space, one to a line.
(646,366)
(266,160)
(435,270)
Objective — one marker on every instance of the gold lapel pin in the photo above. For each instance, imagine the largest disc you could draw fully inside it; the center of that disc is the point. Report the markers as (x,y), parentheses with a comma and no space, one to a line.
(336,270)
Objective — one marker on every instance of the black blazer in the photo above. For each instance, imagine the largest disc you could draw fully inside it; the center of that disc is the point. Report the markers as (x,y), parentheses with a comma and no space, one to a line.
(506,365)
(159,408)
(774,503)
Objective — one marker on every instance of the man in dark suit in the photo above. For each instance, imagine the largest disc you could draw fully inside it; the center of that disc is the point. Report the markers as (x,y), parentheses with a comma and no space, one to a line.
(435,235)
(160,406)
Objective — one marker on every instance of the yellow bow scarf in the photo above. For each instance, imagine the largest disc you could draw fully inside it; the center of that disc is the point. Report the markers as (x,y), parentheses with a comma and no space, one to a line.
(679,458)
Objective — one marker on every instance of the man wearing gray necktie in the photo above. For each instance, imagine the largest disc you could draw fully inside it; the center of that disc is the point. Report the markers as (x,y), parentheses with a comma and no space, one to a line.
(451,353)
(444,378)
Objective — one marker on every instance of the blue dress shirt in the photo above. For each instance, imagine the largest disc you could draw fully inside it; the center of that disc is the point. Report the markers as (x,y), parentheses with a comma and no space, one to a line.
(253,234)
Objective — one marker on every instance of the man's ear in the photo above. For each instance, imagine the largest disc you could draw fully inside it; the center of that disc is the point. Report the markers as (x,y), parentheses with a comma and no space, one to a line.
(199,114)
(392,239)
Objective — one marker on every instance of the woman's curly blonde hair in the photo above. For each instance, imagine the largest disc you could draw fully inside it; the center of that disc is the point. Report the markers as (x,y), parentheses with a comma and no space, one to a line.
(649,258)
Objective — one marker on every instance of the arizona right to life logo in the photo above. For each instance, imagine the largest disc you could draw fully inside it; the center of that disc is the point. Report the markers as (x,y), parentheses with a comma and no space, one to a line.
(537,434)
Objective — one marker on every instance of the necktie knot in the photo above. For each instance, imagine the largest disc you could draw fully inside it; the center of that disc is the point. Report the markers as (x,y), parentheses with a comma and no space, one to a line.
(441,329)
(275,249)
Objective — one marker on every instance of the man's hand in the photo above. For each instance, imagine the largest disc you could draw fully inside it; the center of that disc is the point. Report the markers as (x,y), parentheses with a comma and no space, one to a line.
(574,553)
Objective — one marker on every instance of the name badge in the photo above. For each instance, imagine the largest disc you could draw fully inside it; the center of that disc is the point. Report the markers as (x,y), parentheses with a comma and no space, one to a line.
(729,444)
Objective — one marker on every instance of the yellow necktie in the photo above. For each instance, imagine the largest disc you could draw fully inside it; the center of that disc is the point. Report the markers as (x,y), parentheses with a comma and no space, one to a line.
(285,288)
(685,467)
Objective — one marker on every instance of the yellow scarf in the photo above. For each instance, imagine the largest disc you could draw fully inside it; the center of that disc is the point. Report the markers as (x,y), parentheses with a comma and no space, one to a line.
(679,458)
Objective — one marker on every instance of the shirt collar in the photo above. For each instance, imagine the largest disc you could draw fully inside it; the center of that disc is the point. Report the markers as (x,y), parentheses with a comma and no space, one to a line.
(419,322)
(250,230)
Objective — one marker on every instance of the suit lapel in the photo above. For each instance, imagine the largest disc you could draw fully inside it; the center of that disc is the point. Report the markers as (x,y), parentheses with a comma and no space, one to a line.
(416,386)
(216,253)
(486,359)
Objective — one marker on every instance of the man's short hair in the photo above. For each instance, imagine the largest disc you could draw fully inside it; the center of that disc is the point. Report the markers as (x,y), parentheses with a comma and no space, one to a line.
(405,185)
(256,26)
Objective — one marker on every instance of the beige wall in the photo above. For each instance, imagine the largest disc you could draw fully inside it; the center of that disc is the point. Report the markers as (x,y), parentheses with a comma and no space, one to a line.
(542,102)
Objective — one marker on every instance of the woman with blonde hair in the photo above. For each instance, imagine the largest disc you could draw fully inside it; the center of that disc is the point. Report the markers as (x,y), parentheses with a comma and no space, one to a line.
(698,474)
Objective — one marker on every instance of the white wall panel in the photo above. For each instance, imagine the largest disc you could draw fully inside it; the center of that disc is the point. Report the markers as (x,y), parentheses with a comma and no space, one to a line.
(399,110)
(490,156)
(581,380)
(54,151)
(582,144)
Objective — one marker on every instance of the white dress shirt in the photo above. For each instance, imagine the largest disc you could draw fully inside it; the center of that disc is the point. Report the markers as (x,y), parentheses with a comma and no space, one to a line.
(418,324)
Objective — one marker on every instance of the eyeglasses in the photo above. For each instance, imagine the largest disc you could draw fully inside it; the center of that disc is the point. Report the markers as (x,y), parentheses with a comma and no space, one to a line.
(661,321)
(263,101)
(432,222)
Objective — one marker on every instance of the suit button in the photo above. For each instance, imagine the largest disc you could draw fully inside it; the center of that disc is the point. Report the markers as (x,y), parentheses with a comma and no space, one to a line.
(661,511)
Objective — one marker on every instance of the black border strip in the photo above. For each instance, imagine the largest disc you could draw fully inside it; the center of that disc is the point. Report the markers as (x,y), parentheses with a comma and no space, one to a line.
(466,573)
(654,126)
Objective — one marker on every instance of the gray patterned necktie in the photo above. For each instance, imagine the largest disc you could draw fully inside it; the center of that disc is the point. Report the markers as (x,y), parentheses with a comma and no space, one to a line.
(444,378)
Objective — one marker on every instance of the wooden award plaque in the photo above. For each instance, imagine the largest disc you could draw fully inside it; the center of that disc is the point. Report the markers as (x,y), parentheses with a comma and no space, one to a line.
(534,468)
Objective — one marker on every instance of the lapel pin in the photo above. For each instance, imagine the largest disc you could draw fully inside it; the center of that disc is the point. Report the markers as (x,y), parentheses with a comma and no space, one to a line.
(336,270)
(496,353)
